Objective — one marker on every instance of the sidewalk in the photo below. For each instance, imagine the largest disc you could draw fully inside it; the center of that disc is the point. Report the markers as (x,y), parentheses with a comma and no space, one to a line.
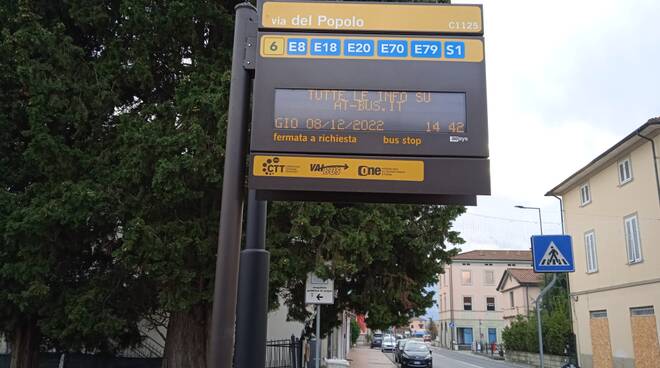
(363,357)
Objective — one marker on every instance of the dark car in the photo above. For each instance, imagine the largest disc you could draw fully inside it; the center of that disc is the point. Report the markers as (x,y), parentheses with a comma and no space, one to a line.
(416,354)
(398,349)
(377,340)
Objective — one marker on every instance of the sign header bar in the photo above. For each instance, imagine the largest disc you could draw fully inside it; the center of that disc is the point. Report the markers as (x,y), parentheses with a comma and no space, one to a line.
(386,17)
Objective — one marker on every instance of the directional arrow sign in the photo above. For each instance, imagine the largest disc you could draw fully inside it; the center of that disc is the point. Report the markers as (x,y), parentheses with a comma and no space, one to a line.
(319,291)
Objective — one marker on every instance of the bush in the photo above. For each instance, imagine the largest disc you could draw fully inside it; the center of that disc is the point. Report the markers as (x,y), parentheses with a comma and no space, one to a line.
(355,331)
(522,335)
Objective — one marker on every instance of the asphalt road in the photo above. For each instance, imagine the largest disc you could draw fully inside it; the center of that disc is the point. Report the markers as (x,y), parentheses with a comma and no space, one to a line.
(443,358)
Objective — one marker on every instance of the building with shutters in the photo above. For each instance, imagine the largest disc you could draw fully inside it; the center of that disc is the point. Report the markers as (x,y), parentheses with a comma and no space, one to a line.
(520,288)
(611,208)
(471,308)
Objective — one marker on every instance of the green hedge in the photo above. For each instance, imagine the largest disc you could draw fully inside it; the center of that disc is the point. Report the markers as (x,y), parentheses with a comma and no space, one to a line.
(521,335)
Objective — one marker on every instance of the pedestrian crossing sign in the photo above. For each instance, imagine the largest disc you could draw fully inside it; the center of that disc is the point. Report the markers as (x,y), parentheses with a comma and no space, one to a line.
(553,253)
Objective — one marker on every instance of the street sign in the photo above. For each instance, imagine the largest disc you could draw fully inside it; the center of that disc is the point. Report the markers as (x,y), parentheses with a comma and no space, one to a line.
(392,17)
(369,102)
(319,291)
(553,253)
(452,325)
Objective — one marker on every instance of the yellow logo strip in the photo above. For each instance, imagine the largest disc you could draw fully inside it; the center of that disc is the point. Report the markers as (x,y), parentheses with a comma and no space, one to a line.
(372,48)
(337,168)
(338,16)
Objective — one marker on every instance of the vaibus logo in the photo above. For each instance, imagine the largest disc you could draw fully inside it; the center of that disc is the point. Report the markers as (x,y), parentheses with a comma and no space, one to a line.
(272,166)
(328,169)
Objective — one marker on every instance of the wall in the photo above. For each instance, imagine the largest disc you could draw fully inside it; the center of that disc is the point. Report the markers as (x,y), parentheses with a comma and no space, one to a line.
(612,287)
(609,205)
(549,361)
(279,327)
(618,304)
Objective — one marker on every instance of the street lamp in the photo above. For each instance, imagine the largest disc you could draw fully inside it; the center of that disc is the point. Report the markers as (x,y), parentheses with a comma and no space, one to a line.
(533,208)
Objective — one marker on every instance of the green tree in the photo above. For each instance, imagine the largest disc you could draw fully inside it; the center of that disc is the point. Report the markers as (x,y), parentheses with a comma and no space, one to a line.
(355,331)
(382,257)
(433,328)
(522,334)
(60,286)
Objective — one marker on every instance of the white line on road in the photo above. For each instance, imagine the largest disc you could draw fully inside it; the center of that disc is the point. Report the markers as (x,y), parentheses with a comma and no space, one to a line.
(461,362)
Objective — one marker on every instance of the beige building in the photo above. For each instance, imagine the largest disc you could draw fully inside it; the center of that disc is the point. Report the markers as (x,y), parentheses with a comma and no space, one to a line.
(612,211)
(520,287)
(471,308)
(417,326)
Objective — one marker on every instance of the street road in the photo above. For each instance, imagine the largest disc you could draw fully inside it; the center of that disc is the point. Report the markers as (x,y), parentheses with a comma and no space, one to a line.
(455,359)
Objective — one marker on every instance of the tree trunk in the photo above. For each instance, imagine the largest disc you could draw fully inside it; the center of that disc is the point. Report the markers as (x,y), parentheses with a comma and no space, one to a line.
(25,341)
(187,338)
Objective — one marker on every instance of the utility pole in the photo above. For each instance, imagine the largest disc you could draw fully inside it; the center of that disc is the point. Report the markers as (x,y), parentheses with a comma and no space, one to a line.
(223,320)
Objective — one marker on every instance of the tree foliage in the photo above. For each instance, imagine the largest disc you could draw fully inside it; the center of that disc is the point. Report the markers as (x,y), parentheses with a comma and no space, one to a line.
(60,285)
(382,257)
(112,132)
(522,334)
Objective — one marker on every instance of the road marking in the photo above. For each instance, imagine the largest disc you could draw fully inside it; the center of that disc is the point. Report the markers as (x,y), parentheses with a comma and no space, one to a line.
(459,361)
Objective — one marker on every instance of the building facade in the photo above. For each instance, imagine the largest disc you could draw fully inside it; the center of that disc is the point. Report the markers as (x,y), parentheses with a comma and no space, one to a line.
(520,287)
(612,211)
(471,308)
(417,326)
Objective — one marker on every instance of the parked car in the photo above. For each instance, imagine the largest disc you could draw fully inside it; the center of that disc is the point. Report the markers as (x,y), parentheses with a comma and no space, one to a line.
(388,344)
(398,349)
(377,340)
(416,354)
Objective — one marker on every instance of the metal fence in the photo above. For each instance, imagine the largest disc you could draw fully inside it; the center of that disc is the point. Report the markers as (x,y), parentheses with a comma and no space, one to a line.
(286,353)
(75,360)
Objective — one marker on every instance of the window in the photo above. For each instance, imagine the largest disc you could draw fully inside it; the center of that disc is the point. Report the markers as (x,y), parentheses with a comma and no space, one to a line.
(490,303)
(585,195)
(420,325)
(625,171)
(598,314)
(513,304)
(642,311)
(489,277)
(467,303)
(466,277)
(632,239)
(444,301)
(590,248)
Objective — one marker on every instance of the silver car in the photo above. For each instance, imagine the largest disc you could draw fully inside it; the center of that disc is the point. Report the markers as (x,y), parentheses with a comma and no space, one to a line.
(388,344)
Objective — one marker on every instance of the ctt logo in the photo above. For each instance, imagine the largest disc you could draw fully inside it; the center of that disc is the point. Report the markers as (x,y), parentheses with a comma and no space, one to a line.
(369,171)
(272,166)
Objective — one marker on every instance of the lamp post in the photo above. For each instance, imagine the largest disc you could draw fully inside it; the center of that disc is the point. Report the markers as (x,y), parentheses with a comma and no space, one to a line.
(543,292)
(533,208)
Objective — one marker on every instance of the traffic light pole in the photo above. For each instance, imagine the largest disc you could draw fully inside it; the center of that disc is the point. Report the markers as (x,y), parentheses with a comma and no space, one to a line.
(221,347)
(538,315)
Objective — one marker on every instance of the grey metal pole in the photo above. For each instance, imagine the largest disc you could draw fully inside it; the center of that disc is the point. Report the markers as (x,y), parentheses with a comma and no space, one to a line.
(540,221)
(538,315)
(221,346)
(318,335)
(252,312)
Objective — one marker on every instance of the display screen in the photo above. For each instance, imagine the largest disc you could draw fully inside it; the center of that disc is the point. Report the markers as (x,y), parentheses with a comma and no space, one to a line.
(369,111)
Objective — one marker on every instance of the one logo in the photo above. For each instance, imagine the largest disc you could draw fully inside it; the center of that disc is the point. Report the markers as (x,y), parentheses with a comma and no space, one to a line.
(272,166)
(328,169)
(457,139)
(369,171)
